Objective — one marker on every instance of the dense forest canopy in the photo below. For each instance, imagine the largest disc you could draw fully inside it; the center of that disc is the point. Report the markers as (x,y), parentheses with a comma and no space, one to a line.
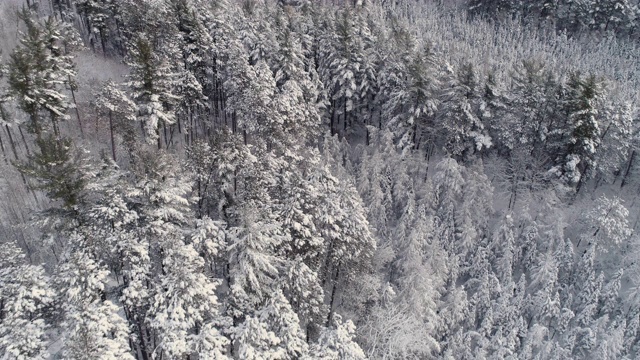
(262,179)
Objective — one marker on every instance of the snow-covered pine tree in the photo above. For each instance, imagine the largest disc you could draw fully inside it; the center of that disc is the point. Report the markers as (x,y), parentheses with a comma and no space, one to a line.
(349,244)
(38,71)
(274,332)
(337,342)
(26,296)
(504,250)
(584,130)
(153,85)
(413,101)
(93,327)
(95,16)
(114,104)
(464,132)
(185,302)
(616,140)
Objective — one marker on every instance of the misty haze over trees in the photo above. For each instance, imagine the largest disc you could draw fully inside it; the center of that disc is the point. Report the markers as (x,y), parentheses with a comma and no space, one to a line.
(299,179)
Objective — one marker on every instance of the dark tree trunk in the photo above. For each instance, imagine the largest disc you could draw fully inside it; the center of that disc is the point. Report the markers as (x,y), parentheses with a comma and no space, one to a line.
(25,141)
(113,143)
(333,295)
(629,165)
(4,154)
(75,103)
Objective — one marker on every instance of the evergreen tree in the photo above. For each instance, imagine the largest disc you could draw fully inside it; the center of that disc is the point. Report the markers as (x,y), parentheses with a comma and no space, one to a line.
(464,131)
(59,169)
(254,267)
(115,104)
(277,321)
(185,301)
(609,221)
(337,342)
(95,15)
(38,71)
(584,130)
(532,124)
(616,15)
(152,82)
(93,327)
(616,140)
(504,250)
(413,103)
(25,297)
(343,53)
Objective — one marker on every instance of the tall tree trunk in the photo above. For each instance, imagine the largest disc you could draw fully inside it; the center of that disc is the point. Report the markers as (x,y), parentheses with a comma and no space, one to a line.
(113,143)
(103,43)
(75,104)
(15,152)
(344,126)
(172,130)
(333,295)
(333,118)
(629,165)
(166,139)
(24,141)
(4,154)
(159,138)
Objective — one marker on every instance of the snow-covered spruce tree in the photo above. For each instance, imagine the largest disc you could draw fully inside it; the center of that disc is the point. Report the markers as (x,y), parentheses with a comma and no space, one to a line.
(476,209)
(503,249)
(614,15)
(26,297)
(419,276)
(257,32)
(488,7)
(448,183)
(375,181)
(297,205)
(150,17)
(493,109)
(298,199)
(185,303)
(254,232)
(395,47)
(253,265)
(113,231)
(200,162)
(305,294)
(251,98)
